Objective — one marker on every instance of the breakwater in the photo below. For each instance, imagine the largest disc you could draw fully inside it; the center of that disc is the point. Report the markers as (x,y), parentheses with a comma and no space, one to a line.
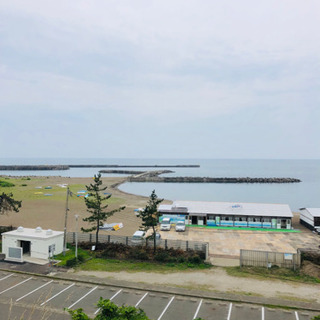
(33,167)
(68,166)
(146,178)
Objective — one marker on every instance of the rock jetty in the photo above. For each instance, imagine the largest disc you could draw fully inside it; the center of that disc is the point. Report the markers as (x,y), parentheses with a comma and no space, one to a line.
(146,178)
(33,167)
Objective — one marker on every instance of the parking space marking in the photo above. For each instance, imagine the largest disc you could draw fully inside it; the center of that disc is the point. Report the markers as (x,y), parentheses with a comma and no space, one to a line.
(82,297)
(6,277)
(198,309)
(110,300)
(141,299)
(262,313)
(229,313)
(297,316)
(18,284)
(165,309)
(71,285)
(34,290)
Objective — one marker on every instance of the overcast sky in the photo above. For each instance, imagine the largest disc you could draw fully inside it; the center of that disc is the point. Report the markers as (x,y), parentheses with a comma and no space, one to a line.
(160,79)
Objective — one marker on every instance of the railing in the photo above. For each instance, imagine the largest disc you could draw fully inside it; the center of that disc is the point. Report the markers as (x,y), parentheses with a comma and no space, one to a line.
(162,243)
(268,259)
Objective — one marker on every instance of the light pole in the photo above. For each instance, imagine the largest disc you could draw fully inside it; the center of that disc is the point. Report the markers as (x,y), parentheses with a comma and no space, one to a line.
(76,216)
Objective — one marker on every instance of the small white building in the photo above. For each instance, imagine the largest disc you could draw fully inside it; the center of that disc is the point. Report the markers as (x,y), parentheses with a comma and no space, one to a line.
(310,218)
(34,243)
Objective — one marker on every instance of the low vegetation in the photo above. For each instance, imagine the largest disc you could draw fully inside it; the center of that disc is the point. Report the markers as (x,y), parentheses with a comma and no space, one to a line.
(273,272)
(114,257)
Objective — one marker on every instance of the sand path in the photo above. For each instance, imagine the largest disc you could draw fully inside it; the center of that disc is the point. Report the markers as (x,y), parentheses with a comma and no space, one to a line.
(218,280)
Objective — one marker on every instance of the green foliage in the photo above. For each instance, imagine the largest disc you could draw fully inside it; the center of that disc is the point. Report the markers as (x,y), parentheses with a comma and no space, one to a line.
(110,311)
(72,262)
(7,203)
(6,184)
(316,317)
(150,216)
(96,208)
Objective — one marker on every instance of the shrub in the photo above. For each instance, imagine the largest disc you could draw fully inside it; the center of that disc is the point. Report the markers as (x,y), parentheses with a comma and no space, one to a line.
(71,262)
(161,256)
(23,185)
(6,184)
(195,259)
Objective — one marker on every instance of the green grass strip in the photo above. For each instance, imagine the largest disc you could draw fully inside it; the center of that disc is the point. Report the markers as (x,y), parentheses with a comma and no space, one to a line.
(244,228)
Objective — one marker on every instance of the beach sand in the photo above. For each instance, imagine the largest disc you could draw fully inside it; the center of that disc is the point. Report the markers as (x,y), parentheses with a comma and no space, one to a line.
(48,212)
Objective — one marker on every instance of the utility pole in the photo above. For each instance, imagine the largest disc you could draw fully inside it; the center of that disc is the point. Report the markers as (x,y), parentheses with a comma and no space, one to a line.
(76,253)
(65,223)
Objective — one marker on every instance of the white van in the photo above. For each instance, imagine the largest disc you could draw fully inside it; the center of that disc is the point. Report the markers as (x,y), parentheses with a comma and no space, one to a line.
(138,237)
(165,224)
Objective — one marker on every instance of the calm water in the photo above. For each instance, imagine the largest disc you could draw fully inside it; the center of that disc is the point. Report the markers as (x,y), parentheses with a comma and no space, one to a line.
(297,195)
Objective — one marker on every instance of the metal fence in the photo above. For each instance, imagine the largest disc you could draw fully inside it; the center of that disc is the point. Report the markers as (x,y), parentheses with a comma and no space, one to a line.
(162,243)
(268,259)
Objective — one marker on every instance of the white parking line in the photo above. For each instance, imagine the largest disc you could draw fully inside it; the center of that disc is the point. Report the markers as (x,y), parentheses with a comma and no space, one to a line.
(110,300)
(83,297)
(18,284)
(165,309)
(71,285)
(6,277)
(34,290)
(262,313)
(198,309)
(229,313)
(141,299)
(297,316)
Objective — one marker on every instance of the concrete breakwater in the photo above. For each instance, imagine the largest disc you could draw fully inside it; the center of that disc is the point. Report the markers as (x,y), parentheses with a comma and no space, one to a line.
(33,167)
(146,178)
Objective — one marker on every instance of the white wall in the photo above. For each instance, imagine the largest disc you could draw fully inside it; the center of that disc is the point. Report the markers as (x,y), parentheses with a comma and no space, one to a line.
(39,248)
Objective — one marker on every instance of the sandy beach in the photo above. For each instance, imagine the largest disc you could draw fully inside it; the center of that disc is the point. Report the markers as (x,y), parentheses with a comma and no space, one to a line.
(49,211)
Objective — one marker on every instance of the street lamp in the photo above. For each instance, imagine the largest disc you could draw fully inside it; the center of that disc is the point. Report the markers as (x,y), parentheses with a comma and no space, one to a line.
(76,216)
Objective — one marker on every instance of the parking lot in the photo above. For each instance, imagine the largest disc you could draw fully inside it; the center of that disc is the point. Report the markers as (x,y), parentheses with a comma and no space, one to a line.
(224,242)
(38,297)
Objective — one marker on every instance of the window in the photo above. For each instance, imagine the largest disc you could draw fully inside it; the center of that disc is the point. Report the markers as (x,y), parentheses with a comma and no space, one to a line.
(256,219)
(266,220)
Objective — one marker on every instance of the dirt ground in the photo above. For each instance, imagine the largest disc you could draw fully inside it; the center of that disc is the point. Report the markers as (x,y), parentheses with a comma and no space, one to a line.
(49,212)
(218,280)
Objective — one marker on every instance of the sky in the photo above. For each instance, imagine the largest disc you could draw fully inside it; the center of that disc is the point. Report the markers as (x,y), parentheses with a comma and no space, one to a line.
(160,79)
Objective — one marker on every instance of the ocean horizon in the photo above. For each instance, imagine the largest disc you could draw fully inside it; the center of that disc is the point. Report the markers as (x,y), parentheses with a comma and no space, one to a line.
(297,195)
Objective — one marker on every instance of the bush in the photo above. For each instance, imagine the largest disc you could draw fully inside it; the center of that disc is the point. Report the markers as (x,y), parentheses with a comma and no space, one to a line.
(195,259)
(161,256)
(23,185)
(6,184)
(71,262)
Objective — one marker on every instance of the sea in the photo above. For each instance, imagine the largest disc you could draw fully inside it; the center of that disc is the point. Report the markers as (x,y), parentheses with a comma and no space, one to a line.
(305,194)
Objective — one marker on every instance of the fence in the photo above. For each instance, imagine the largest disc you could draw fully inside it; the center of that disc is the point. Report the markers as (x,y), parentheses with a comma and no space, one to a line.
(268,259)
(162,243)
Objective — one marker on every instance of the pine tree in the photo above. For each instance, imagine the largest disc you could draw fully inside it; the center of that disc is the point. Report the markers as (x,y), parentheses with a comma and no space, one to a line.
(150,216)
(7,203)
(97,208)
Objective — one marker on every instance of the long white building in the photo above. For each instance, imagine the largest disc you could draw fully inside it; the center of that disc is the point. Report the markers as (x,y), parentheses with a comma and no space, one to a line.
(310,217)
(229,214)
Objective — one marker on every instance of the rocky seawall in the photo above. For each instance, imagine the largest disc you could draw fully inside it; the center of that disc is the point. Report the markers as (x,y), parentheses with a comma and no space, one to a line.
(211,180)
(33,167)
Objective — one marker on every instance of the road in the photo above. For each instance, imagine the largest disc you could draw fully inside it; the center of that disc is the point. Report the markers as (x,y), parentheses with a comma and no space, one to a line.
(39,297)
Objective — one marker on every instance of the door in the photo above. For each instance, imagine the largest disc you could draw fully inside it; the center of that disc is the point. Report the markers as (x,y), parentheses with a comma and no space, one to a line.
(194,220)
(25,245)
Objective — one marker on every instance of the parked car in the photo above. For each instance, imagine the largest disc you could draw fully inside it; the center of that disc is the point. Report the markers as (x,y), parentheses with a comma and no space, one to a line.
(138,237)
(158,238)
(180,226)
(165,224)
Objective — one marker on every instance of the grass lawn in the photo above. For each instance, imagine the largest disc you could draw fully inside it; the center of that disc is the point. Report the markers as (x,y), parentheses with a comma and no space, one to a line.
(275,273)
(113,265)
